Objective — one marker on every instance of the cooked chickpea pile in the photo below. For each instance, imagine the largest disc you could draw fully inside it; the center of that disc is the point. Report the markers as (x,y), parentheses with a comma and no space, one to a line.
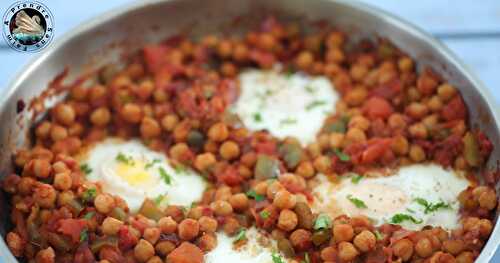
(174,96)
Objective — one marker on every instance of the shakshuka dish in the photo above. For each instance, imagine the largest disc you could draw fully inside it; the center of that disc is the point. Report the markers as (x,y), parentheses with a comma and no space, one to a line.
(275,146)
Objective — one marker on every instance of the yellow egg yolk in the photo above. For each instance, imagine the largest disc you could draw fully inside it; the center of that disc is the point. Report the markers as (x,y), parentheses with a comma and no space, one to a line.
(134,173)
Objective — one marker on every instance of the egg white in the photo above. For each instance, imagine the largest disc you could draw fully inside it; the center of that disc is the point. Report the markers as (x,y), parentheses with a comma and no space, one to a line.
(142,177)
(285,104)
(258,249)
(386,196)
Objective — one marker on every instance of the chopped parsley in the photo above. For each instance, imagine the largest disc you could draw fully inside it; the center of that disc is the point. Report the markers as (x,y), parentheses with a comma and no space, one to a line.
(357,202)
(84,235)
(356,178)
(314,104)
(257,197)
(179,168)
(89,215)
(378,235)
(257,117)
(342,156)
(241,235)
(158,199)
(125,159)
(152,163)
(264,214)
(289,71)
(430,207)
(165,176)
(399,218)
(288,121)
(410,210)
(323,221)
(86,168)
(310,89)
(277,258)
(89,194)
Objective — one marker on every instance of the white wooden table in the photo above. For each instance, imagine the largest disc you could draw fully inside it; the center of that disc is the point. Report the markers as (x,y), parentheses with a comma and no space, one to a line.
(470,28)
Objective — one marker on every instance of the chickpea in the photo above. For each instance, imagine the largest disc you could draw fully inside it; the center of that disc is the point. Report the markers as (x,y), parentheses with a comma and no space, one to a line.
(435,104)
(228,69)
(396,121)
(284,200)
(204,161)
(163,248)
(150,128)
(104,203)
(400,145)
(343,232)
(207,224)
(249,159)
(301,239)
(423,247)
(222,208)
(229,150)
(273,188)
(305,169)
(329,254)
(218,132)
(365,241)
(241,52)
(359,122)
(485,227)
(26,185)
(43,129)
(41,168)
(225,48)
(417,153)
(322,164)
(355,135)
(465,257)
(231,226)
(58,132)
(453,246)
(111,226)
(15,243)
(45,256)
(446,92)
(100,116)
(405,64)
(131,113)
(304,60)
(169,121)
(79,93)
(143,251)
(356,96)
(335,55)
(347,251)
(155,259)
(261,188)
(417,110)
(358,72)
(45,195)
(178,151)
(64,114)
(403,248)
(287,220)
(167,225)
(207,242)
(239,201)
(488,200)
(63,181)
(152,234)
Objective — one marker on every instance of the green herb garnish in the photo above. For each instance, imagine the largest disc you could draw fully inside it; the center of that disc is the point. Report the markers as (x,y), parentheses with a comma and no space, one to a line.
(165,176)
(264,214)
(378,235)
(241,235)
(158,199)
(356,178)
(357,202)
(84,235)
(86,168)
(288,121)
(306,258)
(125,159)
(257,197)
(398,218)
(179,168)
(153,162)
(89,194)
(310,89)
(323,221)
(277,258)
(257,117)
(315,104)
(89,215)
(430,207)
(342,156)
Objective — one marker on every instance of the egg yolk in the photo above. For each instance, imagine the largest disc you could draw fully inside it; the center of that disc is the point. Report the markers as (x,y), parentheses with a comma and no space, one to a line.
(134,174)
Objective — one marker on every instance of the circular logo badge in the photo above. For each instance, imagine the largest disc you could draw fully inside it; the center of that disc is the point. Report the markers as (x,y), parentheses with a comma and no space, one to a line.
(28,26)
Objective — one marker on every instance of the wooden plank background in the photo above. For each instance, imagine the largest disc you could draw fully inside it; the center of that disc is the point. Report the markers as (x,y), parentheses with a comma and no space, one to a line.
(470,28)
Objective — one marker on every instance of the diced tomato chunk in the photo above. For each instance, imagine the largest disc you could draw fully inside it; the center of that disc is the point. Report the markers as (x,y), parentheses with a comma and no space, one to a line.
(127,239)
(377,107)
(375,150)
(72,227)
(230,176)
(84,255)
(455,109)
(186,253)
(154,56)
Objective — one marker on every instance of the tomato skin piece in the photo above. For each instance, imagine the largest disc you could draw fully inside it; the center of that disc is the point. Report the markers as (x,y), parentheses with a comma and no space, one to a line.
(375,150)
(455,109)
(154,56)
(186,253)
(377,107)
(72,228)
